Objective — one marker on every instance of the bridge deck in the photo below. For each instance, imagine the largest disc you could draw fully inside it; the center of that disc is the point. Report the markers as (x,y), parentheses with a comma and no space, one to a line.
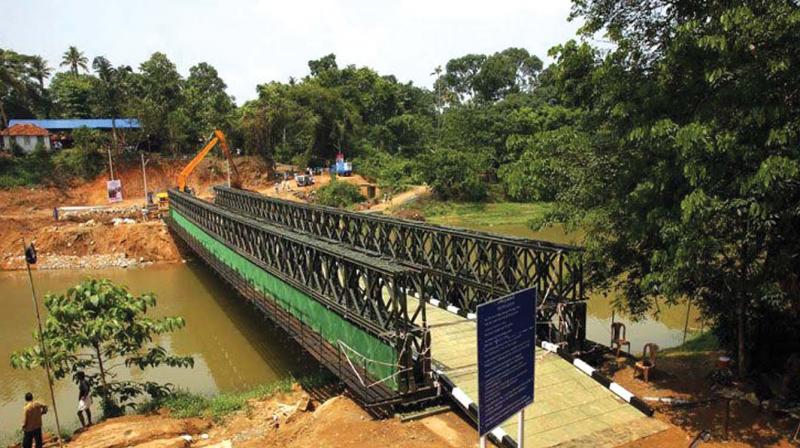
(570,408)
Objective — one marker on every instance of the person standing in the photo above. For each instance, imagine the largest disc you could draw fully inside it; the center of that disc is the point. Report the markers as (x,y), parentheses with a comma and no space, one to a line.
(32,422)
(84,400)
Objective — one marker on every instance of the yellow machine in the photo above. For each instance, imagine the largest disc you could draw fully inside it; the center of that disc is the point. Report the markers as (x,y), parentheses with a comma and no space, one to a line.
(218,137)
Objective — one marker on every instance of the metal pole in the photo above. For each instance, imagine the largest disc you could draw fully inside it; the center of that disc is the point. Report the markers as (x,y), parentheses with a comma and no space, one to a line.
(43,347)
(228,168)
(521,429)
(110,164)
(686,324)
(613,312)
(144,176)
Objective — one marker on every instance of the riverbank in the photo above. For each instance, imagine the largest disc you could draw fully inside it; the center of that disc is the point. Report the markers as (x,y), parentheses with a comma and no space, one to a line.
(113,235)
(279,415)
(680,392)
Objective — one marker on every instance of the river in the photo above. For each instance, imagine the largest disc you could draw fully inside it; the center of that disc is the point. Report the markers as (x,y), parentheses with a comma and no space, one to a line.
(233,347)
(664,327)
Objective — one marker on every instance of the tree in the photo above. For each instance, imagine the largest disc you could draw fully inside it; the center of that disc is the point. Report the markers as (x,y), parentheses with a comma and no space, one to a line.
(159,95)
(75,60)
(512,70)
(339,194)
(39,70)
(455,175)
(14,83)
(207,104)
(74,96)
(98,327)
(689,187)
(112,92)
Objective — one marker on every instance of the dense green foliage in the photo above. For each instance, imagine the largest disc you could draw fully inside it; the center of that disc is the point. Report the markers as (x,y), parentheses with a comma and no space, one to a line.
(98,327)
(454,174)
(25,170)
(675,149)
(339,194)
(684,168)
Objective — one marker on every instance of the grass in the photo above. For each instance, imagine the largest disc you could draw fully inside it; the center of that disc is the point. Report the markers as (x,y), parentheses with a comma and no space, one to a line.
(481,214)
(183,404)
(10,438)
(696,344)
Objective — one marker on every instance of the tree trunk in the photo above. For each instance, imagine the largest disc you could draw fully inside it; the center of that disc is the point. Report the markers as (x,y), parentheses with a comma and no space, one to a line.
(742,350)
(3,115)
(106,397)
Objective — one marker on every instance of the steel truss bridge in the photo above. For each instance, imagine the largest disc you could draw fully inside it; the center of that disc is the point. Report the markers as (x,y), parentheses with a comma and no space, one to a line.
(353,288)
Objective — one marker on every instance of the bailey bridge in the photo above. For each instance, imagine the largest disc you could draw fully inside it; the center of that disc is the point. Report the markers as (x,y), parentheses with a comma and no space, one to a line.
(388,306)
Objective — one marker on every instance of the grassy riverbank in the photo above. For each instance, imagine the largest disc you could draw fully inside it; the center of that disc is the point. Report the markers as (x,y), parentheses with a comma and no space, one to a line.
(183,404)
(508,218)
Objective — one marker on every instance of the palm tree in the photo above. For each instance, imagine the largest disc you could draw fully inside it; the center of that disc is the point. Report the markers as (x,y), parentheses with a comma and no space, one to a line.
(74,59)
(12,78)
(38,69)
(103,68)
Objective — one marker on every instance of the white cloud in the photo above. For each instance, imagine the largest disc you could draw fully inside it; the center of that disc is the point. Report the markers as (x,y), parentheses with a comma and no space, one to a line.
(252,42)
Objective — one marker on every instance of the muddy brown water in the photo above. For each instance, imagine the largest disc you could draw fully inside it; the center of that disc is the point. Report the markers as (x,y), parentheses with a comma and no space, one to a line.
(233,347)
(664,326)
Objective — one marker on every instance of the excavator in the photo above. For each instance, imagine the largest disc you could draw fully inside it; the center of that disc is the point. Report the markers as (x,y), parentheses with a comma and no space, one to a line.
(216,138)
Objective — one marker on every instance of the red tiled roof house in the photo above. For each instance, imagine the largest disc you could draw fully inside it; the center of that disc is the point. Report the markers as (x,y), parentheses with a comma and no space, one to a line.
(26,136)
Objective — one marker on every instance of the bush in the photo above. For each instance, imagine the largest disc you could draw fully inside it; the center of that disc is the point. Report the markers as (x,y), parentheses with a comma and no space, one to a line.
(455,175)
(89,138)
(339,194)
(79,162)
(392,173)
(25,170)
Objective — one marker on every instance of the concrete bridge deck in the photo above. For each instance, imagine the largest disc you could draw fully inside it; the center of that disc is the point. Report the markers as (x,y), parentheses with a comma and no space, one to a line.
(570,408)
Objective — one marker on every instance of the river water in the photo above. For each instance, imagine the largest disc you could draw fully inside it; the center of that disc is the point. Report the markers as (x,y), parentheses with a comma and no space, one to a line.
(664,327)
(233,347)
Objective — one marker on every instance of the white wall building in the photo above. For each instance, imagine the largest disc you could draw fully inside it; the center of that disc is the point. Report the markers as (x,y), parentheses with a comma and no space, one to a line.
(26,136)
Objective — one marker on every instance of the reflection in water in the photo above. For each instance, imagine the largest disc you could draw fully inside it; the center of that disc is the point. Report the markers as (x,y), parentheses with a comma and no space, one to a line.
(664,327)
(233,347)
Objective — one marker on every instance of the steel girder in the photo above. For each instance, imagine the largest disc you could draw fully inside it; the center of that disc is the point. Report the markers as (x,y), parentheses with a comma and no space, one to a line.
(369,292)
(460,267)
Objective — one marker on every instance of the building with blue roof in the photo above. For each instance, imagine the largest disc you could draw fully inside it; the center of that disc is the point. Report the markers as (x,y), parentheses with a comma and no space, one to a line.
(68,124)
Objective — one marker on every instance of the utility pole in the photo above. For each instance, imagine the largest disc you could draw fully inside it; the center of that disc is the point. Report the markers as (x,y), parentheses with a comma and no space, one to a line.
(144,177)
(686,324)
(110,164)
(30,257)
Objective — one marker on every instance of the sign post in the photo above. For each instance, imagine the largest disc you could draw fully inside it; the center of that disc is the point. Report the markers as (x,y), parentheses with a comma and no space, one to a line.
(30,258)
(506,345)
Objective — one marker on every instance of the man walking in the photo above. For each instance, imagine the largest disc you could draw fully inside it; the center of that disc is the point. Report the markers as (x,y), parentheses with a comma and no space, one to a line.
(32,422)
(84,400)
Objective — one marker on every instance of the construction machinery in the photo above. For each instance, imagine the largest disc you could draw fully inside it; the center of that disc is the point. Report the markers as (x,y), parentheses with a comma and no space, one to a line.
(342,168)
(217,138)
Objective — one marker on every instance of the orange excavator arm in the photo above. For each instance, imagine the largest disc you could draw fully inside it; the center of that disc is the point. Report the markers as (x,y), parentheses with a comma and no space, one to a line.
(218,137)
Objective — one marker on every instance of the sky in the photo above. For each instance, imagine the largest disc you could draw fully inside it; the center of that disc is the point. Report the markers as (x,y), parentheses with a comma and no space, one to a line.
(253,42)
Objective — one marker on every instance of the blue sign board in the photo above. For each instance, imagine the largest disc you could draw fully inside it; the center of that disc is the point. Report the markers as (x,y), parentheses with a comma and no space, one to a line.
(506,344)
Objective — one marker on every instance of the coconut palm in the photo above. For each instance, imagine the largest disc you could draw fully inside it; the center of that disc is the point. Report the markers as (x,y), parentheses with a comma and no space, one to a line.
(74,59)
(38,69)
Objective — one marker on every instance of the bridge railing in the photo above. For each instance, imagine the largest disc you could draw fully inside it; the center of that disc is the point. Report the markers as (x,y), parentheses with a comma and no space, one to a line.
(461,268)
(366,291)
